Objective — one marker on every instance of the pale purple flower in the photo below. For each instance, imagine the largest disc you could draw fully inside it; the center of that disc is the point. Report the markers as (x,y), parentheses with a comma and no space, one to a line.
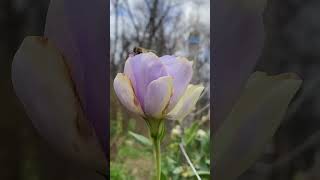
(157,87)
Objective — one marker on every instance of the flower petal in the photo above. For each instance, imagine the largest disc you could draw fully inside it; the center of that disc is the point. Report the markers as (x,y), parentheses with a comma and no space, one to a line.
(181,71)
(238,37)
(82,36)
(43,84)
(252,122)
(63,39)
(158,96)
(187,102)
(141,70)
(124,91)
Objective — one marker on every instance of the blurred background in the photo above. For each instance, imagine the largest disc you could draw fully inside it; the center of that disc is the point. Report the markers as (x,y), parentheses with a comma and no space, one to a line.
(178,27)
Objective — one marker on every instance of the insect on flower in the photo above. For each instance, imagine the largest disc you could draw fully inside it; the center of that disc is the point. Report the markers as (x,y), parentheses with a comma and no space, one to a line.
(139,50)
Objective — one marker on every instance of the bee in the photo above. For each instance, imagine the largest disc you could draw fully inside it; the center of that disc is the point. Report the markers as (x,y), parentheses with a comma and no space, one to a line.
(139,50)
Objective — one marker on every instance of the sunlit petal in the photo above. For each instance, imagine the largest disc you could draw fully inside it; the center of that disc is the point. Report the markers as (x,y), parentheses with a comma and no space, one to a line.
(186,102)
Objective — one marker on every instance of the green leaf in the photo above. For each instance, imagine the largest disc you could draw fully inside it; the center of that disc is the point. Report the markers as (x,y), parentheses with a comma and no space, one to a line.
(191,133)
(141,139)
(252,122)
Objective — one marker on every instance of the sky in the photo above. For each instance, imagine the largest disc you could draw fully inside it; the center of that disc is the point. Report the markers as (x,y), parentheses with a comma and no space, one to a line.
(203,7)
(190,9)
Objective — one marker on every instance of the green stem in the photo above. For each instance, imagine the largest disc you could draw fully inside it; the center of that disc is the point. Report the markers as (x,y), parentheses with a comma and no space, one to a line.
(157,130)
(157,156)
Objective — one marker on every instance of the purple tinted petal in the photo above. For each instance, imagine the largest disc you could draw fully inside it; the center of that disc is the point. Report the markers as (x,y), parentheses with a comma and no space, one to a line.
(181,71)
(237,42)
(42,82)
(141,70)
(158,96)
(64,41)
(79,29)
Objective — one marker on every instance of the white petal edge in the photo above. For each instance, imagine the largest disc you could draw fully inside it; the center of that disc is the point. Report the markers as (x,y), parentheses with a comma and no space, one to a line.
(125,93)
(186,102)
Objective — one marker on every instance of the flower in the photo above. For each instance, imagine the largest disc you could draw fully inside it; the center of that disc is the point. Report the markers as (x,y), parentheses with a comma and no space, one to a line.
(60,78)
(201,134)
(176,131)
(157,87)
(246,110)
(238,40)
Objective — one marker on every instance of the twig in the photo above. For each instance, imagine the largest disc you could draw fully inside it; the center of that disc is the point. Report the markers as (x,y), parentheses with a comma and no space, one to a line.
(131,16)
(190,163)
(202,109)
(204,92)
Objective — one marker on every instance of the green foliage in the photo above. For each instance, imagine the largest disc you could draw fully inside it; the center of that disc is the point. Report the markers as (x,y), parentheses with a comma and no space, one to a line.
(134,157)
(197,146)
(174,164)
(129,151)
(118,172)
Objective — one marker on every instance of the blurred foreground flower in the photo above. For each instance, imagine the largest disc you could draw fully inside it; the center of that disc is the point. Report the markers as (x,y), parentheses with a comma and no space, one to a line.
(157,88)
(246,111)
(61,80)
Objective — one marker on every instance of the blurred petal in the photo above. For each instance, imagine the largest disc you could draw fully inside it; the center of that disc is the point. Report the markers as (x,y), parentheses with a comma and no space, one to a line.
(141,70)
(79,29)
(124,91)
(181,71)
(238,36)
(42,82)
(252,123)
(186,102)
(158,95)
(63,39)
